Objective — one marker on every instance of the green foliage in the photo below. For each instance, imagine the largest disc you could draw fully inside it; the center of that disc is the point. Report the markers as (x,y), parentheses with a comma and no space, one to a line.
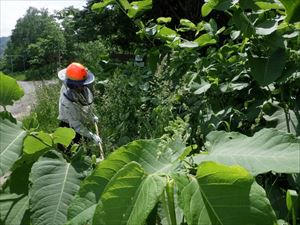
(112,25)
(292,202)
(53,178)
(133,118)
(139,7)
(11,144)
(3,43)
(282,119)
(33,144)
(92,54)
(267,147)
(9,90)
(47,104)
(128,189)
(292,7)
(63,136)
(209,86)
(39,142)
(154,156)
(219,82)
(14,199)
(99,7)
(13,208)
(223,187)
(31,123)
(266,70)
(36,41)
(133,9)
(164,20)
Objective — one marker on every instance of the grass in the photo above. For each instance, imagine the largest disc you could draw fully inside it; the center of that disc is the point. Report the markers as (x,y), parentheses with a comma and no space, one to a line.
(19,76)
(46,109)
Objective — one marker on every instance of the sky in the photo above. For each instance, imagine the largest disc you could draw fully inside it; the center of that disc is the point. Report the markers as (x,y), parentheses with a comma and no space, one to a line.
(12,10)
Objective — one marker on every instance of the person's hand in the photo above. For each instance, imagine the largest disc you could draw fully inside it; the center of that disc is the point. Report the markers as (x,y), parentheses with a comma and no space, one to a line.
(95,119)
(97,140)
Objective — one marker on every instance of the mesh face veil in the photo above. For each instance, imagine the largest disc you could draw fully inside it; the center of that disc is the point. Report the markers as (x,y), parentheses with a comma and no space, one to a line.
(81,94)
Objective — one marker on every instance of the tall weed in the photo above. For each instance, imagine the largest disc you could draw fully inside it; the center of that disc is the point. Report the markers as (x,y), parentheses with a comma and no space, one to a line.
(46,108)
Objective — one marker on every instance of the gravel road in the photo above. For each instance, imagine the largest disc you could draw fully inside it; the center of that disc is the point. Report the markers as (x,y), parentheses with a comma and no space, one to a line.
(23,106)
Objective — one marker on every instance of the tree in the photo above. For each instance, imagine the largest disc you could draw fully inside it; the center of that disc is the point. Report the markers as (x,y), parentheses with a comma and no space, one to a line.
(3,43)
(112,25)
(36,41)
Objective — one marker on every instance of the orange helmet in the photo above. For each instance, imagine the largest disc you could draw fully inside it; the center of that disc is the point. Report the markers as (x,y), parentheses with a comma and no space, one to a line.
(76,71)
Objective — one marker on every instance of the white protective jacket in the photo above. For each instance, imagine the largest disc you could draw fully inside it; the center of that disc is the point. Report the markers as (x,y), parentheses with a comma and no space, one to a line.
(75,114)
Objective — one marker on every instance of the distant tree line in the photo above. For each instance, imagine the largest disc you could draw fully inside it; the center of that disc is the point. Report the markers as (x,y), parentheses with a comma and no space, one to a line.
(41,42)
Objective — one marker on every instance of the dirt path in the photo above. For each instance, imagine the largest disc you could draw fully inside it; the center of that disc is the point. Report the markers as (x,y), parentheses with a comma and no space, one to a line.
(23,106)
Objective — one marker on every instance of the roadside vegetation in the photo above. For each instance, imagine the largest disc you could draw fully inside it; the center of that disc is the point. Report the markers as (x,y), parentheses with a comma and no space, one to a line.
(205,133)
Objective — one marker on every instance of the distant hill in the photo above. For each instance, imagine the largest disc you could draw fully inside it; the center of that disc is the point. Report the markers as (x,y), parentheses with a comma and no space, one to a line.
(3,42)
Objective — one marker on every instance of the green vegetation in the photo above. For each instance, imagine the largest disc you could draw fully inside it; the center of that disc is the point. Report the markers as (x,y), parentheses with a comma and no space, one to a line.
(206,133)
(3,43)
(47,104)
(35,43)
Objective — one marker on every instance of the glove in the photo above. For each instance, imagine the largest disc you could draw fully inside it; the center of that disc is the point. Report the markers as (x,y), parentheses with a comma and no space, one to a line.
(96,138)
(95,119)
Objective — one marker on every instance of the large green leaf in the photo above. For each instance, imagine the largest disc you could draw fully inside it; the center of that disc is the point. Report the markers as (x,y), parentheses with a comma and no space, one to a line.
(222,5)
(223,195)
(191,201)
(11,139)
(231,196)
(186,25)
(129,197)
(268,5)
(14,201)
(100,6)
(125,4)
(139,7)
(13,209)
(292,10)
(165,33)
(243,23)
(37,142)
(63,135)
(9,90)
(6,203)
(154,156)
(163,20)
(205,39)
(266,70)
(267,150)
(54,184)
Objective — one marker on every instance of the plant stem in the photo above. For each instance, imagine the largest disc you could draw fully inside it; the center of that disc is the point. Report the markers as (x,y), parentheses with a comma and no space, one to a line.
(170,198)
(165,206)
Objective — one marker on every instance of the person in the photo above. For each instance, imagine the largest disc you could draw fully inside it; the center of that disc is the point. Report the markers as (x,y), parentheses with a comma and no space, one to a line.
(76,98)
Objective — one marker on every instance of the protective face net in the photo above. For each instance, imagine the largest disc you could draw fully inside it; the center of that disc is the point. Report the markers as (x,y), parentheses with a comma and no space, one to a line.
(79,93)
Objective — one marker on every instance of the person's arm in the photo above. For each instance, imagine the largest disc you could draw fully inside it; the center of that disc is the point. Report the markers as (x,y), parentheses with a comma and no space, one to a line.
(83,130)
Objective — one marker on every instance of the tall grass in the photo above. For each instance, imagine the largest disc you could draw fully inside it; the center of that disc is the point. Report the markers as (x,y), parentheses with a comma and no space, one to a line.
(46,108)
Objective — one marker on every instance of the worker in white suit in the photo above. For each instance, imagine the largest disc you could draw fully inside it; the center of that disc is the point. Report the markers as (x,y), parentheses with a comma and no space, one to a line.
(76,98)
